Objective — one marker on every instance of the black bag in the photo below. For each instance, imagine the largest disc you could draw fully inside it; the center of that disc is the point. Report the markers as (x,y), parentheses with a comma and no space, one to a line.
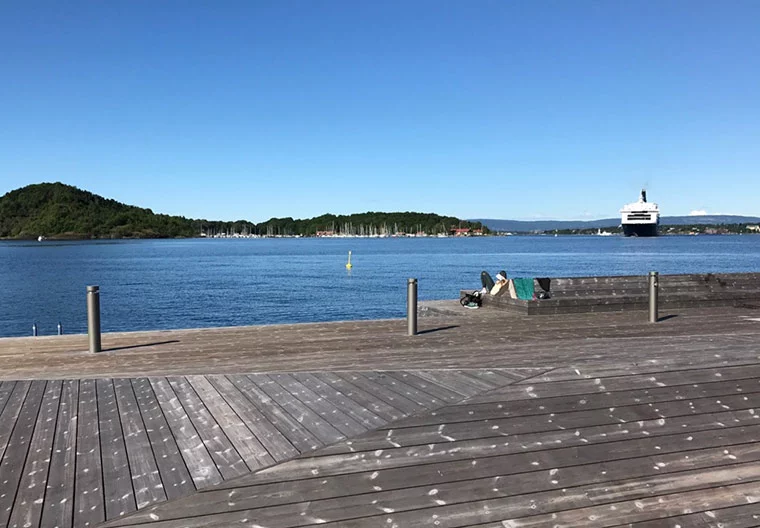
(469,299)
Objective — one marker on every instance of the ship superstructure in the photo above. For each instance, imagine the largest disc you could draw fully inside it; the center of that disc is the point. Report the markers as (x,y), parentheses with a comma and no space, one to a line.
(640,218)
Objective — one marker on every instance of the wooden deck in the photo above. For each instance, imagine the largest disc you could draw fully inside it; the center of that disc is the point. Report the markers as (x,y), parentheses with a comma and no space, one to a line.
(583,420)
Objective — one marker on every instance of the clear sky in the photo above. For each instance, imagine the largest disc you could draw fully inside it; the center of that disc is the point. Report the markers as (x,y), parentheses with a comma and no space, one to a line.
(497,109)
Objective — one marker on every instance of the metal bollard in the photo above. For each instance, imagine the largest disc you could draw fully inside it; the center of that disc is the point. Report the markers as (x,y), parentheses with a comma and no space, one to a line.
(60,328)
(34,329)
(411,306)
(93,317)
(654,287)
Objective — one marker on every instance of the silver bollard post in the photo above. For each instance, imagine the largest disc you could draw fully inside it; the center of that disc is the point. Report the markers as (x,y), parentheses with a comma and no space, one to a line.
(93,317)
(654,287)
(411,306)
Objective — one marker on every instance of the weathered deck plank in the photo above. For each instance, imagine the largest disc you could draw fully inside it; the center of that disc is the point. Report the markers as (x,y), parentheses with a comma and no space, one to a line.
(226,458)
(146,480)
(404,404)
(247,445)
(172,471)
(27,508)
(367,418)
(198,461)
(278,447)
(17,449)
(10,413)
(89,499)
(367,400)
(300,437)
(117,480)
(330,413)
(59,497)
(316,425)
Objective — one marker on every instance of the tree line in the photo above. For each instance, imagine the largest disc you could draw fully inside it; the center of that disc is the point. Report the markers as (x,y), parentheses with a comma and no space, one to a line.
(62,211)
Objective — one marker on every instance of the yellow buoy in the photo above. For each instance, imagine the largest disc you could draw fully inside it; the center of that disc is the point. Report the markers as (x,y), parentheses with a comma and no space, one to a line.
(349,265)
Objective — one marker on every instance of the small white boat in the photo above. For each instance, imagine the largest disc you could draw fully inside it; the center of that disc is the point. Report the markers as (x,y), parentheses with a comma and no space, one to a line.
(40,238)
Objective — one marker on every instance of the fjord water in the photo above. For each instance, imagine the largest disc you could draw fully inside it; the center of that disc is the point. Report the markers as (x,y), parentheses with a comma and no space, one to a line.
(169,284)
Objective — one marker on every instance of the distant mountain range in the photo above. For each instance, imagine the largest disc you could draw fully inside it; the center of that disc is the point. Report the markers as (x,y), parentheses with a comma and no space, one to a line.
(525,226)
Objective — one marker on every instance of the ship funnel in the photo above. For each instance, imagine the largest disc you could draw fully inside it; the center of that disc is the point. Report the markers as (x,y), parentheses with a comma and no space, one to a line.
(643,195)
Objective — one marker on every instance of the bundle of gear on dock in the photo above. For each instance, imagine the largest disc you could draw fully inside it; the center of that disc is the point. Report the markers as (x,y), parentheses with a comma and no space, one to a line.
(523,288)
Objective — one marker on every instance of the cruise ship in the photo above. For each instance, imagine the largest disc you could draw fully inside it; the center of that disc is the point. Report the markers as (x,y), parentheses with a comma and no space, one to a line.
(640,218)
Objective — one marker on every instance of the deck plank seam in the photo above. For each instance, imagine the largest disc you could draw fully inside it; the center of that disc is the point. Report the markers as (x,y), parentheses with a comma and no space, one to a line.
(343,384)
(248,402)
(398,387)
(544,449)
(7,393)
(12,428)
(654,517)
(431,508)
(226,398)
(476,400)
(535,432)
(32,439)
(220,431)
(129,386)
(269,406)
(229,484)
(50,455)
(291,410)
(703,511)
(7,514)
(129,460)
(102,488)
(560,413)
(378,395)
(260,448)
(189,423)
(302,397)
(159,410)
(333,395)
(648,373)
(643,457)
(417,381)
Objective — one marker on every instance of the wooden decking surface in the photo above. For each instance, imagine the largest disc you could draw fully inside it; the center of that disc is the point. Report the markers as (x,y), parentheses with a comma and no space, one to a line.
(79,452)
(474,339)
(584,420)
(675,448)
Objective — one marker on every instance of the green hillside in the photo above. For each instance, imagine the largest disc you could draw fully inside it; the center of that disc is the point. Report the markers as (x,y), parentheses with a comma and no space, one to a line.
(55,210)
(63,211)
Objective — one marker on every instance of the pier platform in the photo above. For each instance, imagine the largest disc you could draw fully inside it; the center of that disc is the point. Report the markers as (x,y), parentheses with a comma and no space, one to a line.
(486,418)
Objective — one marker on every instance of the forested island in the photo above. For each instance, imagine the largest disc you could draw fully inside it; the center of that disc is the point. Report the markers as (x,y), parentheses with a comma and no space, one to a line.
(56,210)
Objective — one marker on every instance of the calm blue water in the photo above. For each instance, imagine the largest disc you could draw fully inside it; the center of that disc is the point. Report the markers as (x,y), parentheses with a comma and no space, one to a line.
(162,284)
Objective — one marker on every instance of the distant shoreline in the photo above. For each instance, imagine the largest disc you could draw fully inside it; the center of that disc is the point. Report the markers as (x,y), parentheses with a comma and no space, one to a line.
(492,235)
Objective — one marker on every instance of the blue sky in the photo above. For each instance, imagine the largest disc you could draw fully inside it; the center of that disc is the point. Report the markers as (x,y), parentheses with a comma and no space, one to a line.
(495,109)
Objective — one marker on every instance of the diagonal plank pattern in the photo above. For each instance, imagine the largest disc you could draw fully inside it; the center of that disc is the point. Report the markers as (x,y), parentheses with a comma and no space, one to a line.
(76,453)
(607,445)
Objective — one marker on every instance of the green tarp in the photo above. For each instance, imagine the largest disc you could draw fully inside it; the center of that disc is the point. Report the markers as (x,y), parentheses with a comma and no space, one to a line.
(524,289)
